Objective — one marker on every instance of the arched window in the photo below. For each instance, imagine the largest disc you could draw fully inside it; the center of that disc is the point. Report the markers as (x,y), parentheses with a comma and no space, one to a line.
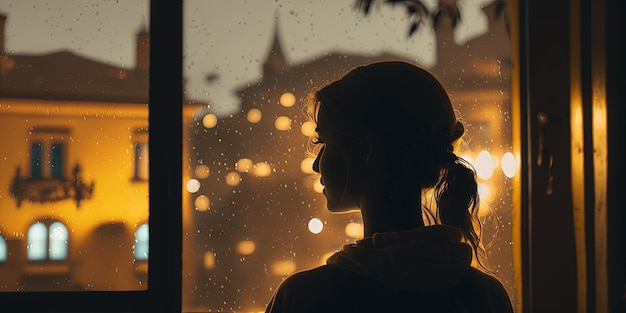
(140,250)
(57,236)
(47,242)
(3,249)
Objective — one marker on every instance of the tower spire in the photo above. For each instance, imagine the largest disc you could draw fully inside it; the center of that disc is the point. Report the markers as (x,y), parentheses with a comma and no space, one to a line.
(275,60)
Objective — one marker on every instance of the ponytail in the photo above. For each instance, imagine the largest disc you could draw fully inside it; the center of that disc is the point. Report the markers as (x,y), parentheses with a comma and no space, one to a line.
(456,195)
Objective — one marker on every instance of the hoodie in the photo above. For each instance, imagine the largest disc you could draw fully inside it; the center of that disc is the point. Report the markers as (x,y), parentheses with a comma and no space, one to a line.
(426,269)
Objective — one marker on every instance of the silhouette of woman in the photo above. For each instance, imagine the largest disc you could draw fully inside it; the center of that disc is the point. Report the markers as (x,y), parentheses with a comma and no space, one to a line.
(387,132)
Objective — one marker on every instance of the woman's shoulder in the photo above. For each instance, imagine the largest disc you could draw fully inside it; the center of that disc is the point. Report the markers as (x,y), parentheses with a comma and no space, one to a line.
(322,276)
(488,287)
(326,288)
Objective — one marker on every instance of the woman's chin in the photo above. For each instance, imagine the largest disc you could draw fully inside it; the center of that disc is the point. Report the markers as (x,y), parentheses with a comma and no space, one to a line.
(341,208)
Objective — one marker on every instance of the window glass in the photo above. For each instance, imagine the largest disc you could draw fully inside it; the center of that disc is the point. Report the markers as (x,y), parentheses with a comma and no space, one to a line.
(3,249)
(73,108)
(141,243)
(37,242)
(253,212)
(57,234)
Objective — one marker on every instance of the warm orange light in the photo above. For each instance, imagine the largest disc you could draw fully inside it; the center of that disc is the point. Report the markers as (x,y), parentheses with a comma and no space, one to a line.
(354,230)
(287,99)
(244,165)
(246,247)
(233,179)
(209,260)
(254,115)
(326,256)
(262,169)
(282,123)
(306,166)
(202,203)
(209,120)
(283,268)
(202,171)
(308,129)
(317,186)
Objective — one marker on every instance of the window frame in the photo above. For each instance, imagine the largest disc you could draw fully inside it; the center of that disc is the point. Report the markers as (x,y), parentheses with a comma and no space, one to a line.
(163,293)
(165,272)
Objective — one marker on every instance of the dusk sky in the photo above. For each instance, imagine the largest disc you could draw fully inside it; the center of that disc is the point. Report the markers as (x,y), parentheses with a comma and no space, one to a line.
(228,38)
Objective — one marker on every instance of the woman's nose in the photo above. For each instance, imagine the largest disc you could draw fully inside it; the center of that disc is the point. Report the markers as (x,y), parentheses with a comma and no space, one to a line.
(316,163)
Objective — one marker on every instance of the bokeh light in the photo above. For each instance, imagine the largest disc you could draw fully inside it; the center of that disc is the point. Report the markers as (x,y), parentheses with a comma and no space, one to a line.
(244,165)
(193,185)
(354,230)
(283,268)
(246,247)
(209,120)
(233,179)
(316,225)
(282,123)
(308,128)
(509,165)
(254,115)
(209,260)
(317,185)
(287,99)
(202,203)
(262,169)
(202,171)
(306,166)
(484,165)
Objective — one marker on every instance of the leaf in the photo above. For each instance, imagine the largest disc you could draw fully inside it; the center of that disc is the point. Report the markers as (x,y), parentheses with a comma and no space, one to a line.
(414,26)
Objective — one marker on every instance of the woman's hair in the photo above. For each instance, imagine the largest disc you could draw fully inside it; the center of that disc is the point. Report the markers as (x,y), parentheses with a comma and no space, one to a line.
(409,111)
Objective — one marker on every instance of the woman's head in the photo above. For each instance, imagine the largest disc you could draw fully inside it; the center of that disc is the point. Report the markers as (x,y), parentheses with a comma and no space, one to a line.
(399,105)
(392,125)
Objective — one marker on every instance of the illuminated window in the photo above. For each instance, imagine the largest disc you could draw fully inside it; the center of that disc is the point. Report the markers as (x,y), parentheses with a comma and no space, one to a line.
(3,249)
(47,242)
(140,147)
(48,152)
(140,249)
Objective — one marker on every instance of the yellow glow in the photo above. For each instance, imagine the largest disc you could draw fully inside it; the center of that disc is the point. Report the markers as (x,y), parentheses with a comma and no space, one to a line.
(317,186)
(254,115)
(308,129)
(282,123)
(306,166)
(202,203)
(209,120)
(244,165)
(325,257)
(468,159)
(287,99)
(233,179)
(193,185)
(508,164)
(209,260)
(315,225)
(246,247)
(202,171)
(354,230)
(484,165)
(262,169)
(483,191)
(283,268)
(483,210)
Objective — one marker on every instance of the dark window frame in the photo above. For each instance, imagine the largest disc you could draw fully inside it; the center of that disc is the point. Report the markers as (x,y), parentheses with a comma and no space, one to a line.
(164,276)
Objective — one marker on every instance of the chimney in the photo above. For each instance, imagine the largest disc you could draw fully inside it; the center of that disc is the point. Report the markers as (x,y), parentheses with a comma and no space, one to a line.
(142,61)
(3,20)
